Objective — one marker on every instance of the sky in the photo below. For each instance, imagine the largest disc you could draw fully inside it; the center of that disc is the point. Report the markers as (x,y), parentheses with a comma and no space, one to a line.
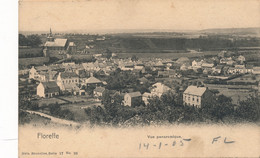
(94,15)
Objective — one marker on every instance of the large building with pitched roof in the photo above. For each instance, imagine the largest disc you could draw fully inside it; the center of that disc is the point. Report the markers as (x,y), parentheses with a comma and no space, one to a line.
(48,89)
(58,45)
(67,80)
(195,96)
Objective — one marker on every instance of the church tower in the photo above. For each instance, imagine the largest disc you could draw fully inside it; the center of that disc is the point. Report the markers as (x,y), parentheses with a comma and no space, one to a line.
(50,37)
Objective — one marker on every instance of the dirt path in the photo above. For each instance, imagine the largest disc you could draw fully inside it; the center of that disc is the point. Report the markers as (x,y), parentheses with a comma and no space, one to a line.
(55,119)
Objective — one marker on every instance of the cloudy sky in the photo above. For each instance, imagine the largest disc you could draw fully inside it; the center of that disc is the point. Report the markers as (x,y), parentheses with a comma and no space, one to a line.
(96,15)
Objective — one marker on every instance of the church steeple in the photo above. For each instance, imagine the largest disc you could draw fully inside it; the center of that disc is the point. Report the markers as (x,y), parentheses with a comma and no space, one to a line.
(50,37)
(50,32)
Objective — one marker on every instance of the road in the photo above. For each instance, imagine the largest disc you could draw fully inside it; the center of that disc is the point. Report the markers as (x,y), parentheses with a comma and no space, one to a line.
(55,119)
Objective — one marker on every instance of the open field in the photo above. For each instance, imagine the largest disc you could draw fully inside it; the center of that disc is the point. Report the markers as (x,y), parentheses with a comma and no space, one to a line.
(79,109)
(33,61)
(47,101)
(30,52)
(168,55)
(235,93)
(246,79)
(74,99)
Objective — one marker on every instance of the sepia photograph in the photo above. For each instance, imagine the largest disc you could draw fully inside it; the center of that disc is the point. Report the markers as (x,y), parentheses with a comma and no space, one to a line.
(138,78)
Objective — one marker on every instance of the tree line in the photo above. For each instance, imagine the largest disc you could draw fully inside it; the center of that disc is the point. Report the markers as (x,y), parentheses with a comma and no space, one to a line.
(170,109)
(30,40)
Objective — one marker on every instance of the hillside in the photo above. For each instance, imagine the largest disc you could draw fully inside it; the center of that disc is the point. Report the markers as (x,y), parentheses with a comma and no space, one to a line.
(234,31)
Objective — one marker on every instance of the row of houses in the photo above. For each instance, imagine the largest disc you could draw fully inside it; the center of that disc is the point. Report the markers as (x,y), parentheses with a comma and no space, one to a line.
(224,68)
(192,96)
(68,82)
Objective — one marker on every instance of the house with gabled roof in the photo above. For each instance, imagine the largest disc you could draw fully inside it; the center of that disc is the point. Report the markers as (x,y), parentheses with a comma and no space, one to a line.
(145,97)
(241,69)
(195,96)
(218,69)
(158,89)
(67,79)
(98,91)
(48,89)
(241,59)
(92,81)
(256,70)
(131,98)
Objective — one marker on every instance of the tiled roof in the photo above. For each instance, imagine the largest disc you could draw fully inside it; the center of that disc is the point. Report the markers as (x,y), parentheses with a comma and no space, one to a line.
(58,42)
(68,74)
(50,87)
(194,90)
(134,94)
(71,86)
(183,59)
(219,67)
(147,94)
(72,44)
(93,80)
(99,89)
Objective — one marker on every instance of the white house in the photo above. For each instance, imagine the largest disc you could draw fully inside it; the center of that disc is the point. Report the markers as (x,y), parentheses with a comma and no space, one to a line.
(196,64)
(98,91)
(145,97)
(65,80)
(241,69)
(195,96)
(241,59)
(48,89)
(92,81)
(158,89)
(256,70)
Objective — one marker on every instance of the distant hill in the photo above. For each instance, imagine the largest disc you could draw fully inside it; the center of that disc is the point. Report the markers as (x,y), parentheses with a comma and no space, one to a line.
(237,31)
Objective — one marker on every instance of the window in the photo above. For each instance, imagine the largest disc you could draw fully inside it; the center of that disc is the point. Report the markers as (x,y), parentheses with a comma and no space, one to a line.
(197,99)
(192,98)
(189,98)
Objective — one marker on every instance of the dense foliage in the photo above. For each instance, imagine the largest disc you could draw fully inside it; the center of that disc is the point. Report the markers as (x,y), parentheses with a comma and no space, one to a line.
(169,109)
(30,40)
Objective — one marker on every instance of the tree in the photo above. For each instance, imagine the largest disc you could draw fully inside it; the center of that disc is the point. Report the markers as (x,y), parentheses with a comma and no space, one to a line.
(108,54)
(23,41)
(55,109)
(249,109)
(168,99)
(34,40)
(134,58)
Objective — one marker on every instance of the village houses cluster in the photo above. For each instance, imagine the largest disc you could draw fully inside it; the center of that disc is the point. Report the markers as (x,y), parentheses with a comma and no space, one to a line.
(74,79)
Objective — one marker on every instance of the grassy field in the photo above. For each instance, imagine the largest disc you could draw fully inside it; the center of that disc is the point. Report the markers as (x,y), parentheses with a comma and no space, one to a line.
(236,94)
(24,62)
(75,98)
(47,101)
(79,109)
(168,55)
(245,78)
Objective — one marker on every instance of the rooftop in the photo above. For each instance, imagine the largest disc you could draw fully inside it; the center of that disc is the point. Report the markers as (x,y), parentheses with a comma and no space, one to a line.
(93,80)
(194,90)
(50,86)
(68,74)
(100,89)
(134,94)
(58,42)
